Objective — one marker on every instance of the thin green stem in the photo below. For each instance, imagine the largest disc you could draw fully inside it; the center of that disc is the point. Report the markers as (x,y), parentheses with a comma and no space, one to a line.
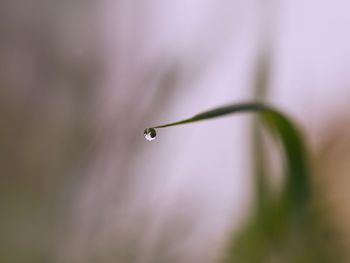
(220,111)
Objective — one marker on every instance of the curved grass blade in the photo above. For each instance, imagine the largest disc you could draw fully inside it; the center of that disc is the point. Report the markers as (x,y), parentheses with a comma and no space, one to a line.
(218,112)
(297,181)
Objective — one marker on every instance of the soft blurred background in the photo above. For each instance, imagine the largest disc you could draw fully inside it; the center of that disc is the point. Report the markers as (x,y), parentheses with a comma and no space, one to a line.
(79,82)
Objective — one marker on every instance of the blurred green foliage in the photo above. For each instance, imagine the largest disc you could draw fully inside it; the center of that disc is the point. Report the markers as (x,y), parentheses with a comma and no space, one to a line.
(286,227)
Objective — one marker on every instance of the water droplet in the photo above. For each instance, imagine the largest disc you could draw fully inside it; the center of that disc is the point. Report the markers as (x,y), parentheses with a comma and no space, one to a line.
(150,134)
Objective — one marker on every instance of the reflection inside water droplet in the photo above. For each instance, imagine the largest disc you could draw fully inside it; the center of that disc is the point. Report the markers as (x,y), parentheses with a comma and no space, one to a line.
(150,134)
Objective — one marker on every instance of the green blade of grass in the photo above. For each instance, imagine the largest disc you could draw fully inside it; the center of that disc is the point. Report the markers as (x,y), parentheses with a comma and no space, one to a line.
(297,181)
(218,112)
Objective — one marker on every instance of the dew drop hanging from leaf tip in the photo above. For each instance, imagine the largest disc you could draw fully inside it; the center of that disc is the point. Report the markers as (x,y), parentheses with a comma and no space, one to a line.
(150,134)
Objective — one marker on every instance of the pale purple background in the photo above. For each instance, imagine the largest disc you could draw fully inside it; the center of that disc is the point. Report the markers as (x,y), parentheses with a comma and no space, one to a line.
(161,61)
